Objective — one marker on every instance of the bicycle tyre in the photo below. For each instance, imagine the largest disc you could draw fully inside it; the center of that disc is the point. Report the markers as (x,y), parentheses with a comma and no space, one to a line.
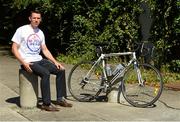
(142,95)
(80,90)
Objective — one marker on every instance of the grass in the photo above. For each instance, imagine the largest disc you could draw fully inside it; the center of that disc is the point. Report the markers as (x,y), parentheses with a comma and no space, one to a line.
(170,77)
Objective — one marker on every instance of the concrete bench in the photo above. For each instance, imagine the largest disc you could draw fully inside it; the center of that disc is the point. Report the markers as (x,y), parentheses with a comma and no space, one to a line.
(116,96)
(28,89)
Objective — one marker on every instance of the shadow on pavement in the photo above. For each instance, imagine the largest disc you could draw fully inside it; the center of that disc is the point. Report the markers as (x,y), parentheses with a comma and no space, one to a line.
(169,106)
(14,100)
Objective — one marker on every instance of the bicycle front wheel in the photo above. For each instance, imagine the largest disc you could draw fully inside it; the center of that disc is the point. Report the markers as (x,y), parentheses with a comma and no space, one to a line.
(84,81)
(145,92)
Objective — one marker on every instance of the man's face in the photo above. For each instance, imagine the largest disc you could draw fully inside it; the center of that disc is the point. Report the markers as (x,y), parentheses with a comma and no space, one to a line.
(35,19)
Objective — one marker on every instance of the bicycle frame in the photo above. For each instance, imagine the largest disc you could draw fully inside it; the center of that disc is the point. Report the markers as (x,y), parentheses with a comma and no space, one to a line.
(104,56)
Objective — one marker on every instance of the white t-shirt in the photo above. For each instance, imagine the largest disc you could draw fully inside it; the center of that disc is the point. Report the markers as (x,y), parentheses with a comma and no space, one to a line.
(30,41)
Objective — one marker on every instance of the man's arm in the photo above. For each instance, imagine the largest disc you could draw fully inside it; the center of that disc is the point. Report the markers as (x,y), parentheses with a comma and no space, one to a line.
(15,48)
(49,56)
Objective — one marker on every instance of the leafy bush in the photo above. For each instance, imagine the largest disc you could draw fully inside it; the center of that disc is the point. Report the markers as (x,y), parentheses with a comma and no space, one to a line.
(112,21)
(175,65)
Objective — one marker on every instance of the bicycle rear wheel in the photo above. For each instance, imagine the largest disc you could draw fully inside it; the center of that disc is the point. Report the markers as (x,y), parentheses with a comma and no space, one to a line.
(146,94)
(85,87)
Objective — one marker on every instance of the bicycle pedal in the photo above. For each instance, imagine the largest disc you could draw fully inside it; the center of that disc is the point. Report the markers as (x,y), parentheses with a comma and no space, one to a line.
(82,83)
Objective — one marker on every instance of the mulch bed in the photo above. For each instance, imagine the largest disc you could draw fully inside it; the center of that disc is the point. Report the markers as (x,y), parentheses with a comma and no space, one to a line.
(173,86)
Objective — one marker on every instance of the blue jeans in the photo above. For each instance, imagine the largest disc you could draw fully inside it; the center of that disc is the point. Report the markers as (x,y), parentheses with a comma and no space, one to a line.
(43,69)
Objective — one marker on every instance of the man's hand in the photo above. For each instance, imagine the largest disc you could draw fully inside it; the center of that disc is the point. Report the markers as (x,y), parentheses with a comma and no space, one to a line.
(27,67)
(59,65)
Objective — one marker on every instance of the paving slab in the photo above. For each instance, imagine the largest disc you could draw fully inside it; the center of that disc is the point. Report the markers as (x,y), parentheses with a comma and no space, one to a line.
(7,105)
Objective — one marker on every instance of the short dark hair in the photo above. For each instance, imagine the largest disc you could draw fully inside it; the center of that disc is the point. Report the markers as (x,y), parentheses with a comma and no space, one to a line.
(35,11)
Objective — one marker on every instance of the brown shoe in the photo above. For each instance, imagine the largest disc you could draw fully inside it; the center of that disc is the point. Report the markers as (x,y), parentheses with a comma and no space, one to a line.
(49,108)
(64,103)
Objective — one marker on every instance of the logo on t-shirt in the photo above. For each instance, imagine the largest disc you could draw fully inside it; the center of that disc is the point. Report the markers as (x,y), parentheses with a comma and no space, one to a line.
(34,42)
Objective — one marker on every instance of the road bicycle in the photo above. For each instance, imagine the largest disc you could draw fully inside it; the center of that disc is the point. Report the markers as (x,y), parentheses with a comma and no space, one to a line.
(140,84)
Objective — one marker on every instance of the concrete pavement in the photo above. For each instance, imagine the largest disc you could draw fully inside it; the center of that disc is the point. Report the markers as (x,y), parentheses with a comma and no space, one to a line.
(167,107)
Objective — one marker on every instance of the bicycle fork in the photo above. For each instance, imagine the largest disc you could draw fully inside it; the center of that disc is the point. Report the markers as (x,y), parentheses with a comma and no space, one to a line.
(139,76)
